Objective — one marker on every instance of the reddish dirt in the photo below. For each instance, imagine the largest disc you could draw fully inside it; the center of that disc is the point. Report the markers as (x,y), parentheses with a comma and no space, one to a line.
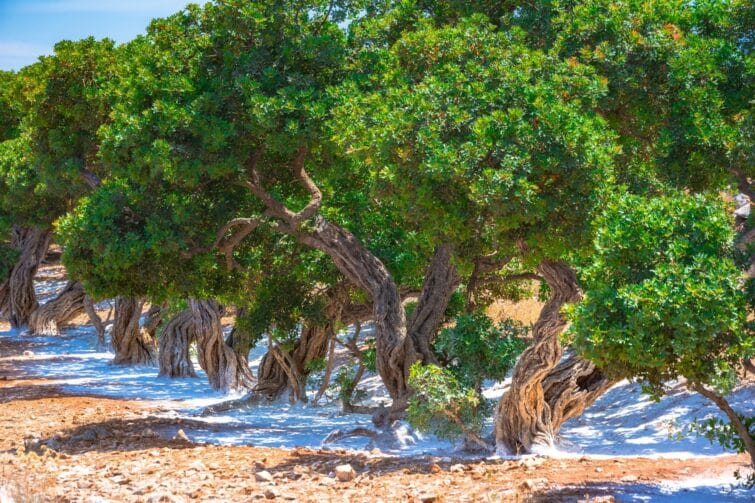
(109,448)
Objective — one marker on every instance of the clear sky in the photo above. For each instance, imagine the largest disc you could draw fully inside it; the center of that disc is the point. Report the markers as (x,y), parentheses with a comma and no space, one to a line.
(30,28)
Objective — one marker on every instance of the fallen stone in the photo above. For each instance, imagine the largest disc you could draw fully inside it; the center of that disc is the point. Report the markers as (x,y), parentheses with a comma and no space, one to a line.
(345,473)
(180,435)
(457,468)
(535,484)
(263,476)
(629,478)
(270,493)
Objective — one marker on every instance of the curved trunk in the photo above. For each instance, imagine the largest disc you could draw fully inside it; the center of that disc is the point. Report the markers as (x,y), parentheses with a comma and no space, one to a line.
(440,282)
(132,345)
(397,348)
(50,317)
(32,243)
(739,426)
(572,386)
(153,319)
(365,270)
(174,344)
(523,416)
(226,369)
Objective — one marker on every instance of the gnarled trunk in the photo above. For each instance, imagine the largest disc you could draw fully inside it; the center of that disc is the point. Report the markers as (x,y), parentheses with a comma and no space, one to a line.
(365,270)
(439,284)
(20,299)
(174,344)
(226,369)
(49,318)
(132,344)
(524,417)
(572,386)
(280,370)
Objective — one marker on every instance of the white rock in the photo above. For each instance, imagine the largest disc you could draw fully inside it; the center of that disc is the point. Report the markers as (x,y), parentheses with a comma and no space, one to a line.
(345,473)
(263,476)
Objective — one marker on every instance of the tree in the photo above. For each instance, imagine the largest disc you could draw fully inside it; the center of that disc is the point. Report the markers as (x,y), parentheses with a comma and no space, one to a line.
(51,162)
(664,299)
(493,147)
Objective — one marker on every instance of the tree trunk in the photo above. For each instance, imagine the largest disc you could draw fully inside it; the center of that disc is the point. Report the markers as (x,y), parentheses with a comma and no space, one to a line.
(328,370)
(524,417)
(226,370)
(49,318)
(153,320)
(572,386)
(132,345)
(365,270)
(96,321)
(175,342)
(736,421)
(279,371)
(32,243)
(441,280)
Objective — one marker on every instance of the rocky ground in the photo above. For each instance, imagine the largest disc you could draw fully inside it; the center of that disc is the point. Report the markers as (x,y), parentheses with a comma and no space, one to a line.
(58,447)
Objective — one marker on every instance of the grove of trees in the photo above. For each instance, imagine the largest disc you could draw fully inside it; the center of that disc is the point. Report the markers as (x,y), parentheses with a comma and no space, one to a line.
(312,165)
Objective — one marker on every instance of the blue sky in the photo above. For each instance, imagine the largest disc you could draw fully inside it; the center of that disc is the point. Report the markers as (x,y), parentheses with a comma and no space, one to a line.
(30,28)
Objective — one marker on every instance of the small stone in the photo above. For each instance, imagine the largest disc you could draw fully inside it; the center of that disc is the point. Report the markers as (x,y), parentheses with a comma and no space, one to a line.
(181,435)
(345,473)
(376,452)
(148,432)
(434,468)
(535,484)
(428,498)
(599,469)
(270,493)
(457,468)
(263,476)
(629,478)
(28,353)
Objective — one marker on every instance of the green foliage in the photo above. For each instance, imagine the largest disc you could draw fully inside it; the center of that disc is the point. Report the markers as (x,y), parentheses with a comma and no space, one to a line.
(476,349)
(448,400)
(8,257)
(480,139)
(343,382)
(369,355)
(441,404)
(663,297)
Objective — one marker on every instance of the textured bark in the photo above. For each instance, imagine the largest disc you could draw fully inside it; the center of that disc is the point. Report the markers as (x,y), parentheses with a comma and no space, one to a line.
(572,386)
(226,370)
(280,370)
(440,282)
(524,417)
(153,319)
(49,318)
(328,371)
(21,299)
(174,344)
(736,422)
(132,344)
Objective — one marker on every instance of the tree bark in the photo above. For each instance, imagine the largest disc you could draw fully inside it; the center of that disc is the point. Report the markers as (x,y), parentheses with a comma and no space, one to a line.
(174,344)
(736,422)
(21,300)
(572,386)
(328,371)
(153,319)
(524,417)
(441,280)
(226,370)
(132,344)
(49,318)
(279,371)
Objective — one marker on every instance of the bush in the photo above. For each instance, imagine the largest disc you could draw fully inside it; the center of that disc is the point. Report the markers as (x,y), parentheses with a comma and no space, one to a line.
(441,404)
(448,401)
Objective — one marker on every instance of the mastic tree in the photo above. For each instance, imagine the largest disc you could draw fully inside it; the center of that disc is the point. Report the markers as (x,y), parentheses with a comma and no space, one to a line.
(236,95)
(49,162)
(494,147)
(664,298)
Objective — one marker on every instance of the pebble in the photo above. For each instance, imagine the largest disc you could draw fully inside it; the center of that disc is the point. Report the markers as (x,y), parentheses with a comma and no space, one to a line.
(263,476)
(345,473)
